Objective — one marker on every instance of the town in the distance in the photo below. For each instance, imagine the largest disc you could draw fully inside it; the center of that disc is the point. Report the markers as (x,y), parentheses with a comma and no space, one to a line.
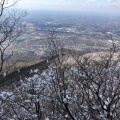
(83,32)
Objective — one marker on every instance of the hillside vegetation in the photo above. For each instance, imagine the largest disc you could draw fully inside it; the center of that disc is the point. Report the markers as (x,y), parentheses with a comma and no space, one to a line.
(86,90)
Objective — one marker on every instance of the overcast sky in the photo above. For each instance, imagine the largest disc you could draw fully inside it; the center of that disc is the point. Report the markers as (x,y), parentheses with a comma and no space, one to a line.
(72,5)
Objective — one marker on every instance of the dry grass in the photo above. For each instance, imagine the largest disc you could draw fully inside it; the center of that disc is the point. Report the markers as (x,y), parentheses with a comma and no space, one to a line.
(95,56)
(18,65)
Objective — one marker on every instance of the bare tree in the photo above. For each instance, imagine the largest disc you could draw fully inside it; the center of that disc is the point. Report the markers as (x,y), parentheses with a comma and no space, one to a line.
(9,29)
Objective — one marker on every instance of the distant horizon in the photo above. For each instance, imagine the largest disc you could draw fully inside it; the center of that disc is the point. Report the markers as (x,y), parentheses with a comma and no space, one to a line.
(93,6)
(73,12)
